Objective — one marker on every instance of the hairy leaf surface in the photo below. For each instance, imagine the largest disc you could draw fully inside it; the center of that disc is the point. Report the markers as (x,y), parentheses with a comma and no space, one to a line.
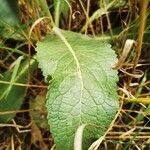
(83,85)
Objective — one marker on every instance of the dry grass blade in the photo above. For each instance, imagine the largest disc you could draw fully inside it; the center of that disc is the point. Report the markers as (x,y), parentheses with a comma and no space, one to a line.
(129,44)
(78,137)
(143,16)
(131,127)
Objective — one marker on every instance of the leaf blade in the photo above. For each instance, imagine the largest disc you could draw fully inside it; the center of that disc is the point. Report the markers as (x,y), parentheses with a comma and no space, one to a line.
(67,109)
(9,12)
(12,96)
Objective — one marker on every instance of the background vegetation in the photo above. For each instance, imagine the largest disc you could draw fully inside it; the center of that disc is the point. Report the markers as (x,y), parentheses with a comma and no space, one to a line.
(123,23)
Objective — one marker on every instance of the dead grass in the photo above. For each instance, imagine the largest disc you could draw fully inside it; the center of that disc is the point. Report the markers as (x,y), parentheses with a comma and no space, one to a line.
(131,129)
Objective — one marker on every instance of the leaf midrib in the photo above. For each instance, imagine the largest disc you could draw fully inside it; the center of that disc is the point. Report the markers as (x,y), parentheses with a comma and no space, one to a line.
(64,40)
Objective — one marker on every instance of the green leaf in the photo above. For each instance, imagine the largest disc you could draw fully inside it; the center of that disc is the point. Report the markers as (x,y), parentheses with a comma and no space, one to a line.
(83,85)
(9,19)
(116,3)
(11,92)
(39,116)
(61,7)
(9,12)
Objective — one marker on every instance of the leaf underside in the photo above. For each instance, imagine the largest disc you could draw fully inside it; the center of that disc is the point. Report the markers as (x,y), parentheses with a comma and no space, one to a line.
(83,93)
